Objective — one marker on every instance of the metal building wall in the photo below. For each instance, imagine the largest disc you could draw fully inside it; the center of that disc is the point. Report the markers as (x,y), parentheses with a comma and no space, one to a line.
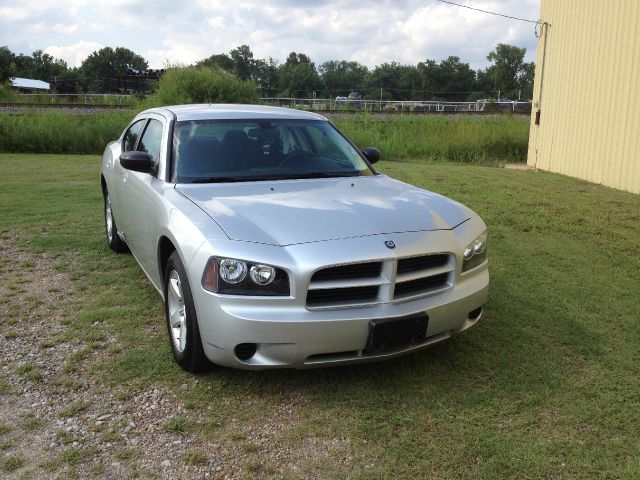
(589,93)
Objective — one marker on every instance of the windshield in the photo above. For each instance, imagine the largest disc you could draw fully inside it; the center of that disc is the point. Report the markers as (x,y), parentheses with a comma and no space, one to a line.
(208,151)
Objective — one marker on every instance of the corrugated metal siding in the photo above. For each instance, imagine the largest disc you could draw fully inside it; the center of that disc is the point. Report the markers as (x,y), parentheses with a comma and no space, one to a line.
(590,101)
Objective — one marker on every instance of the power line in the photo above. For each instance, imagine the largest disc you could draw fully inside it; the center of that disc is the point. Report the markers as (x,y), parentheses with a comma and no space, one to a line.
(490,13)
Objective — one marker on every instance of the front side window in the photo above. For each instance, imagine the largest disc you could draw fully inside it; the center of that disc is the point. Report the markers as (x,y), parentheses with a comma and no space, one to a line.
(151,140)
(132,135)
(251,150)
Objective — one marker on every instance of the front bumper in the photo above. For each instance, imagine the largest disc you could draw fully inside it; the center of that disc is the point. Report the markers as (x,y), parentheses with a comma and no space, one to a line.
(288,334)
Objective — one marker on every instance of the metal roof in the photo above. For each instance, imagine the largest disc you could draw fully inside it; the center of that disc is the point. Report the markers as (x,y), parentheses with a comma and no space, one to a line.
(237,111)
(29,83)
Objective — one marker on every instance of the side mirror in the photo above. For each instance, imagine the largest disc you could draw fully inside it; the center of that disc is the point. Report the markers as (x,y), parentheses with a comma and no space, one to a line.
(372,154)
(137,161)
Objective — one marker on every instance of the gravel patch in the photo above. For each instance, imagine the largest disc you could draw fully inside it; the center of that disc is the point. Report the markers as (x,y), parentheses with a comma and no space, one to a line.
(58,421)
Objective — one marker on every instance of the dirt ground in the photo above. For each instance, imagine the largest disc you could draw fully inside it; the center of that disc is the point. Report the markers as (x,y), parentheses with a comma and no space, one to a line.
(58,421)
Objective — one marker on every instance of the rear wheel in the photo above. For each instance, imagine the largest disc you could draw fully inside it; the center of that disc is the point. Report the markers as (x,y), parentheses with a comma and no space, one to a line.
(113,239)
(182,322)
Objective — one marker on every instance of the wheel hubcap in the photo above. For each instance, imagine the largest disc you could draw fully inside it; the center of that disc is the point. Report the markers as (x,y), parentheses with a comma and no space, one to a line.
(177,314)
(108,217)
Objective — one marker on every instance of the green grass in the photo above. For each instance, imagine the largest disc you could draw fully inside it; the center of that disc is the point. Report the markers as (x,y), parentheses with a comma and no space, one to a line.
(11,463)
(74,408)
(195,456)
(486,140)
(483,140)
(40,131)
(547,385)
(32,424)
(176,425)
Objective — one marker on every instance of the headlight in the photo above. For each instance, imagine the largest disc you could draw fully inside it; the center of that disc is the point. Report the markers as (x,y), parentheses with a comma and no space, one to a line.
(229,276)
(262,274)
(232,271)
(475,253)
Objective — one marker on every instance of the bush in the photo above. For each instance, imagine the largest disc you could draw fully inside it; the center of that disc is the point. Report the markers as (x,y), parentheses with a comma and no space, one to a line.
(6,95)
(38,131)
(200,85)
(488,140)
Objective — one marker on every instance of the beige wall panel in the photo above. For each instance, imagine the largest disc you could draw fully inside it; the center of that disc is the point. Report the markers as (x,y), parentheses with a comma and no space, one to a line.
(588,94)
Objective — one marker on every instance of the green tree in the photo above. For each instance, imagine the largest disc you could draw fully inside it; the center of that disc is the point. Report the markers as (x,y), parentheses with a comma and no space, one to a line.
(45,67)
(7,64)
(525,80)
(342,77)
(483,86)
(394,81)
(430,77)
(218,60)
(107,64)
(457,78)
(23,66)
(243,62)
(508,69)
(450,79)
(266,76)
(298,75)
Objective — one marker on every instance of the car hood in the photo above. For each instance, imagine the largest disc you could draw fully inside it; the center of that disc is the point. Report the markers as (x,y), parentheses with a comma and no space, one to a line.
(287,212)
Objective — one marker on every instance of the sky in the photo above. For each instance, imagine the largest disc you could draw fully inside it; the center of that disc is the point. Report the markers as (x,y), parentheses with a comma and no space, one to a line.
(182,32)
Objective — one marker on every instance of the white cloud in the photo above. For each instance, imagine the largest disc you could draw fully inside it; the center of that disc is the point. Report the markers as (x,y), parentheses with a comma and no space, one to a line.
(73,54)
(44,27)
(13,14)
(372,32)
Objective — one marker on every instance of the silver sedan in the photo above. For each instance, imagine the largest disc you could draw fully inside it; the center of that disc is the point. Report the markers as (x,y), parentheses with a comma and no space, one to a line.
(275,243)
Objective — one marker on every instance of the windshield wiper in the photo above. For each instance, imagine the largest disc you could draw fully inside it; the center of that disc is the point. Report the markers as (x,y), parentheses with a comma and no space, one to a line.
(320,175)
(227,179)
(292,176)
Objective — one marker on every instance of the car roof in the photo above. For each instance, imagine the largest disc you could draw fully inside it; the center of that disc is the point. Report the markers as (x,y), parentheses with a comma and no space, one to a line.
(234,112)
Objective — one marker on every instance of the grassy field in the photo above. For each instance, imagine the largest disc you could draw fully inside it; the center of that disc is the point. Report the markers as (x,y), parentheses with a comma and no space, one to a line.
(486,140)
(482,140)
(547,385)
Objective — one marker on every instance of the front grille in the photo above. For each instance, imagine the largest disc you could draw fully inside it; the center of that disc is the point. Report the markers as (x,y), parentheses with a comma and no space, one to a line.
(339,296)
(421,285)
(425,262)
(373,282)
(348,272)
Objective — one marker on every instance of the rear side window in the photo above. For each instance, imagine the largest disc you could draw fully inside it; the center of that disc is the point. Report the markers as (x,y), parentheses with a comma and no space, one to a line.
(132,135)
(151,140)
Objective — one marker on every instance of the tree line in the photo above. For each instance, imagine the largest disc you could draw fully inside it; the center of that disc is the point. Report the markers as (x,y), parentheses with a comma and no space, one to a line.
(506,76)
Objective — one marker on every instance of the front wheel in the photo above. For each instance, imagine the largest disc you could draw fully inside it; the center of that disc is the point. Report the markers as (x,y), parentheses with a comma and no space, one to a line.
(182,322)
(113,239)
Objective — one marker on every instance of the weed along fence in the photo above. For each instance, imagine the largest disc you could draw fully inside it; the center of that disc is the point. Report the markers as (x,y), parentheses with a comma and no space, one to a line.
(477,139)
(109,99)
(400,106)
(53,100)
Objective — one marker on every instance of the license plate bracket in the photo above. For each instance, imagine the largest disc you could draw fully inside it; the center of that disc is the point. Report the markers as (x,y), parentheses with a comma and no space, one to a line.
(387,334)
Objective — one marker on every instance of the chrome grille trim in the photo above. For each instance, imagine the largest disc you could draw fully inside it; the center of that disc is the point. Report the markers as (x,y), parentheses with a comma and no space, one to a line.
(381,281)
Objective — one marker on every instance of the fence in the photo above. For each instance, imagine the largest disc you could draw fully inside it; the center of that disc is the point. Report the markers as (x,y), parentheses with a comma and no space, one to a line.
(313,104)
(77,98)
(321,104)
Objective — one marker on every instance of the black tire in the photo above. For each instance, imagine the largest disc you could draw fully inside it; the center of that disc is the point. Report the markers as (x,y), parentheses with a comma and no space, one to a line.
(184,334)
(111,230)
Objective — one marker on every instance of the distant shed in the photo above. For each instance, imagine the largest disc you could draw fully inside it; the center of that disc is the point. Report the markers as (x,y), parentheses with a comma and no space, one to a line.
(29,84)
(585,120)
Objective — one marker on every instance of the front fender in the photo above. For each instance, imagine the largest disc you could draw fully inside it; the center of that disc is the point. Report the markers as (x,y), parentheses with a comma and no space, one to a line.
(187,227)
